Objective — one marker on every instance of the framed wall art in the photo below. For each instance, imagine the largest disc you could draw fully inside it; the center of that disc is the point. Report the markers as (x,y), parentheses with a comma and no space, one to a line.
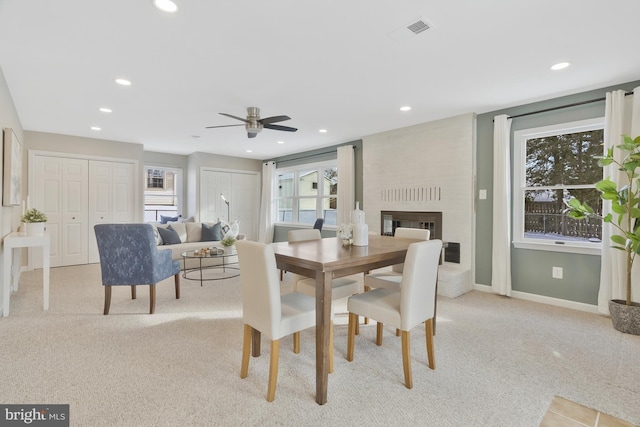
(12,176)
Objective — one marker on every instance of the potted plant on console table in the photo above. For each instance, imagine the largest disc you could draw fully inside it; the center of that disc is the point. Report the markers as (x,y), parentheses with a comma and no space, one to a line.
(34,222)
(625,217)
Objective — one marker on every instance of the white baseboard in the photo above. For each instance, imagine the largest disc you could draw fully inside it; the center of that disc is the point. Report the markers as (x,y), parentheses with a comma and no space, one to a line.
(545,300)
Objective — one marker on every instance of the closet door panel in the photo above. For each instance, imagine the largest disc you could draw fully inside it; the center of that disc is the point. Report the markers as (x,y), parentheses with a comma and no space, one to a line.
(75,218)
(47,196)
(123,208)
(245,208)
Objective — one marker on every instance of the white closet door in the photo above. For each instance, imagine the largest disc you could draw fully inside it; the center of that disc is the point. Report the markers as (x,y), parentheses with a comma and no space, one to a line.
(111,197)
(212,184)
(240,189)
(244,195)
(47,196)
(60,190)
(75,220)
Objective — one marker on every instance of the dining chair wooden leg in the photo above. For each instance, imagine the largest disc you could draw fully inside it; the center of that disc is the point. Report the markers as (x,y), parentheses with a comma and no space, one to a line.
(397,332)
(429,324)
(357,325)
(351,334)
(246,351)
(379,327)
(331,347)
(435,306)
(152,299)
(406,358)
(176,279)
(296,342)
(273,370)
(366,319)
(107,299)
(133,292)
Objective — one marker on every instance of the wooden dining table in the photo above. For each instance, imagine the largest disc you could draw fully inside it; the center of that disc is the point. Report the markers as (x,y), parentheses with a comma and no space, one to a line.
(325,260)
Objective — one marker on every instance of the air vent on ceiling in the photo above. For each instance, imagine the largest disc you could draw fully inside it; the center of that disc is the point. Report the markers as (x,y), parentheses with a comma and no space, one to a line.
(418,27)
(413,28)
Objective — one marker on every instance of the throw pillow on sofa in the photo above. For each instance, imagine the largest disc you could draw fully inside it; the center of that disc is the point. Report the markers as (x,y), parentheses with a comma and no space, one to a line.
(211,233)
(166,219)
(169,236)
(230,230)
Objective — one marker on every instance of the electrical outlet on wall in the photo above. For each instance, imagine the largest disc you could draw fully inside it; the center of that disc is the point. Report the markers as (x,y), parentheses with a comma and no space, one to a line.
(556,272)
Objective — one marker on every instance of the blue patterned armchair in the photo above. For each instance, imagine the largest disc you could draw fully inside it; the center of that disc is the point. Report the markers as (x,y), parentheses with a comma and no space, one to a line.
(129,257)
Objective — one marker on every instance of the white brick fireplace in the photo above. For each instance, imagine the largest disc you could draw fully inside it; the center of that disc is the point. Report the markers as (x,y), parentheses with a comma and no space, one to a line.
(427,167)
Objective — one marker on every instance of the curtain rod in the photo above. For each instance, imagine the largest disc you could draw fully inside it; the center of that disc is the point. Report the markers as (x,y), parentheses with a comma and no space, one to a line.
(575,104)
(311,155)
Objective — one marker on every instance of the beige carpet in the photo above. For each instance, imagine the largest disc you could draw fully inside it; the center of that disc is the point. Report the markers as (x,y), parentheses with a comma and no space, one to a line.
(500,362)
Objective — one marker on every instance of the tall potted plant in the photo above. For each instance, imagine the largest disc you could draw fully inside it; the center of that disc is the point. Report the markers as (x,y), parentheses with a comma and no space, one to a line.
(625,218)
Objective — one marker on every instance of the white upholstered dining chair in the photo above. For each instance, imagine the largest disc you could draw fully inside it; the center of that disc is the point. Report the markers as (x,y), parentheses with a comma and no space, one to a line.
(404,308)
(390,279)
(265,310)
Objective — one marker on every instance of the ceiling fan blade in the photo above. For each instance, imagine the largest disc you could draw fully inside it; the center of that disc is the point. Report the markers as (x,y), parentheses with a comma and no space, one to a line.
(274,119)
(235,117)
(251,135)
(279,127)
(223,126)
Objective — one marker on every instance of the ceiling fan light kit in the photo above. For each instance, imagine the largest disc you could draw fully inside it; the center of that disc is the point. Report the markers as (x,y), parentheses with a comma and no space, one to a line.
(254,124)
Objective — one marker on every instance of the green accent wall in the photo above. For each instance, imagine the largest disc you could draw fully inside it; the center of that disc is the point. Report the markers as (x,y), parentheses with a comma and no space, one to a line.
(531,269)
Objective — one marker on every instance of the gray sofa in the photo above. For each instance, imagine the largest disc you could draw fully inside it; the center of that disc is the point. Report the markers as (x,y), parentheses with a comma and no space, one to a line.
(190,234)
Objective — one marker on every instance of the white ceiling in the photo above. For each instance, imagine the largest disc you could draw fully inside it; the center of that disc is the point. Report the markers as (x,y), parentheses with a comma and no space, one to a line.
(327,64)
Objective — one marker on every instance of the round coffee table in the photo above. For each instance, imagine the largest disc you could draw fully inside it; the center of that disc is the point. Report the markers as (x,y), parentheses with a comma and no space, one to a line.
(226,269)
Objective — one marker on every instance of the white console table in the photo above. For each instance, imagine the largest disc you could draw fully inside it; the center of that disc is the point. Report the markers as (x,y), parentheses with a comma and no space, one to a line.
(15,241)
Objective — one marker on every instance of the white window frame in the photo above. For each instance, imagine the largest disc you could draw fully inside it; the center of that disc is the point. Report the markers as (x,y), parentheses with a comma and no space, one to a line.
(179,189)
(295,170)
(519,179)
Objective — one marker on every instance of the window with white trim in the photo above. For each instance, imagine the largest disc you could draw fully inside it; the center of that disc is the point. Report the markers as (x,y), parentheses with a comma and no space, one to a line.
(307,192)
(162,193)
(553,164)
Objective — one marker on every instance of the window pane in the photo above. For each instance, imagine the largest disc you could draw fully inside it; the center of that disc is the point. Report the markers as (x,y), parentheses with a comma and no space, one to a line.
(307,210)
(285,184)
(329,212)
(285,212)
(308,183)
(544,216)
(331,181)
(564,159)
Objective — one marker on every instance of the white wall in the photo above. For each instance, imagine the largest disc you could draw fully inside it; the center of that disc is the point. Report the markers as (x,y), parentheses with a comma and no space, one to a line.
(437,155)
(9,216)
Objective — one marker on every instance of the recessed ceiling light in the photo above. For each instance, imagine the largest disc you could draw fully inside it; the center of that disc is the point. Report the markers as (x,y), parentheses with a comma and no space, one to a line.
(195,136)
(166,6)
(249,151)
(322,131)
(95,128)
(106,110)
(280,142)
(123,82)
(405,108)
(560,66)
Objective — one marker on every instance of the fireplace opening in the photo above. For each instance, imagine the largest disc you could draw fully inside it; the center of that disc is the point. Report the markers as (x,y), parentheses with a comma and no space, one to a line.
(431,221)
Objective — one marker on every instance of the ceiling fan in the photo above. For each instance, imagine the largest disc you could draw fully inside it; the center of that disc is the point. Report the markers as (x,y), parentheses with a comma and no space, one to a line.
(254,124)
